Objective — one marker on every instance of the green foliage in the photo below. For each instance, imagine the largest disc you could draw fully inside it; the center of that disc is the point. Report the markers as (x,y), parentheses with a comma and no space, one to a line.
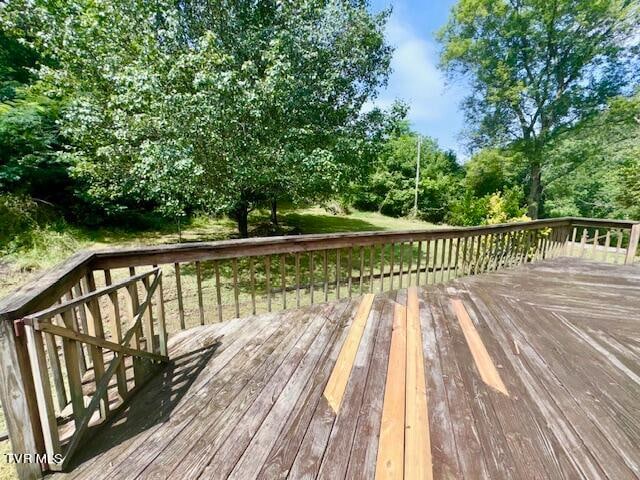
(492,170)
(537,67)
(592,167)
(32,233)
(490,209)
(29,135)
(390,188)
(201,104)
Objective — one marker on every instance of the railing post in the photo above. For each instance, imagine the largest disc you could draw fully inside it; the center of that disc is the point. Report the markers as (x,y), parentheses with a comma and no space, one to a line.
(19,399)
(633,244)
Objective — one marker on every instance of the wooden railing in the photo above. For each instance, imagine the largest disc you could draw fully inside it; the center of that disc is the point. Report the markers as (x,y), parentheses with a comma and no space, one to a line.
(77,370)
(194,284)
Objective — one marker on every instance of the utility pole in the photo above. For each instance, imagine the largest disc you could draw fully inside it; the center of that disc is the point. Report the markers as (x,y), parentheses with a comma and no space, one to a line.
(415,199)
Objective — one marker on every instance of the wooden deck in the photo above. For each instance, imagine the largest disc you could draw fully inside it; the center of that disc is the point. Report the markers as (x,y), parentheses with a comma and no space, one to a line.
(528,373)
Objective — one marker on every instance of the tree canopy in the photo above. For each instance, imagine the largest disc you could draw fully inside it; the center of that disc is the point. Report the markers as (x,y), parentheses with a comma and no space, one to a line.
(222,106)
(538,67)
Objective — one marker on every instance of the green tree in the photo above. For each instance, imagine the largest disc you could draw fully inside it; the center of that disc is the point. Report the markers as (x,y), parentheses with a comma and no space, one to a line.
(536,67)
(222,105)
(593,166)
(390,188)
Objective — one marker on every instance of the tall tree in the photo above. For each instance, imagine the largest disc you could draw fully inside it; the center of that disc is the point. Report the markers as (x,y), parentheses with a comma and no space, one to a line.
(537,67)
(225,104)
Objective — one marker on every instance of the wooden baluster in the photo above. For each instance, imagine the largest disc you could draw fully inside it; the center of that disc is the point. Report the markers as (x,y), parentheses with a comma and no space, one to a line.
(607,244)
(361,269)
(216,271)
(583,241)
(471,242)
(477,266)
(176,267)
(372,253)
(486,252)
(503,257)
(470,256)
(457,257)
(382,262)
(283,280)
(509,247)
(463,265)
(80,317)
(236,289)
(162,325)
(435,261)
(449,258)
(199,288)
(133,305)
(535,245)
(311,277)
(522,238)
(96,330)
(147,325)
(392,265)
(543,245)
(528,240)
(573,241)
(267,271)
(350,267)
(297,260)
(552,241)
(410,264)
(337,273)
(325,266)
(43,390)
(618,247)
(427,262)
(418,261)
(497,251)
(116,333)
(595,243)
(512,248)
(401,265)
(442,258)
(252,270)
(632,249)
(72,362)
(56,370)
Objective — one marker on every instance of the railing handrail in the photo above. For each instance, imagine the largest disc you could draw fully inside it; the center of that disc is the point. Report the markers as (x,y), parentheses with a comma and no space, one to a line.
(53,283)
(87,297)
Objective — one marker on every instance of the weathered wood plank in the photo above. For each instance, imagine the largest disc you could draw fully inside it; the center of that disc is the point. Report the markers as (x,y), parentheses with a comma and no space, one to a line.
(417,449)
(340,375)
(390,460)
(483,361)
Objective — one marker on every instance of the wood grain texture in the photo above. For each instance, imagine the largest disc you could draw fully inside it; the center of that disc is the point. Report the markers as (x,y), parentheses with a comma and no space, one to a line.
(417,456)
(253,406)
(483,361)
(337,383)
(390,461)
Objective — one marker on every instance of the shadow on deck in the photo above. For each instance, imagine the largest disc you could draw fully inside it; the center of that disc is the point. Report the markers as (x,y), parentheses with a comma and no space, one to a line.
(525,373)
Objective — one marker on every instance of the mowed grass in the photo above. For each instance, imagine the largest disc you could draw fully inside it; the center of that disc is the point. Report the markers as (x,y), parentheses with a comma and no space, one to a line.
(54,246)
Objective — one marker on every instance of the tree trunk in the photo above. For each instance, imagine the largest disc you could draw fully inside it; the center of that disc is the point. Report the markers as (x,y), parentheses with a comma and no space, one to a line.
(274,212)
(241,215)
(535,191)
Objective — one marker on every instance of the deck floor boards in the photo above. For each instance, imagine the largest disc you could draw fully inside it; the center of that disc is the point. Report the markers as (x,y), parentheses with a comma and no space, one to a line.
(245,398)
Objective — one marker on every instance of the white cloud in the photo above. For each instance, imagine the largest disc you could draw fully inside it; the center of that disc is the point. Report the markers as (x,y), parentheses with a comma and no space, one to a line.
(415,77)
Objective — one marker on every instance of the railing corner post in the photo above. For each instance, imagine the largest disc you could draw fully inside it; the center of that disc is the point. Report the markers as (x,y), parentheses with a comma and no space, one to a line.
(634,238)
(19,400)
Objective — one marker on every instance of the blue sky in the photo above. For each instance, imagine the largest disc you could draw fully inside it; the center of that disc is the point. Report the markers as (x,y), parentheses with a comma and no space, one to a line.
(434,104)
